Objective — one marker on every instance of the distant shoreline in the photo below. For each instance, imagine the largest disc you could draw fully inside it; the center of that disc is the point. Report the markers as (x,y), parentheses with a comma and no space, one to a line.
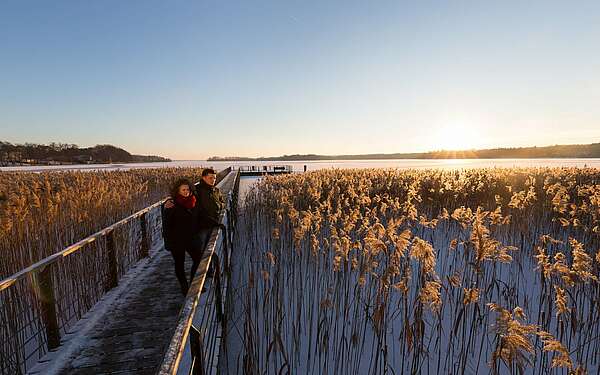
(67,164)
(587,151)
(117,164)
(378,159)
(299,165)
(64,154)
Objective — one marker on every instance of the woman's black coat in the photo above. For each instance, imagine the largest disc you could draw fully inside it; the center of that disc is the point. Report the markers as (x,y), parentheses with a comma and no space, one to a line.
(179,225)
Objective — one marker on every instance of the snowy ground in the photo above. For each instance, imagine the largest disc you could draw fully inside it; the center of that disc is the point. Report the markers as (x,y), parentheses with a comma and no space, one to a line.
(299,325)
(127,330)
(231,356)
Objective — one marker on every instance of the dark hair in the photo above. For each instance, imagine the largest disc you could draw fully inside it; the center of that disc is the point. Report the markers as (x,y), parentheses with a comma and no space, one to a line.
(178,183)
(207,171)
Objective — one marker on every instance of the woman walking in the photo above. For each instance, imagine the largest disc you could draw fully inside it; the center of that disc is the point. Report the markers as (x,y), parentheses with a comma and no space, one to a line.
(180,228)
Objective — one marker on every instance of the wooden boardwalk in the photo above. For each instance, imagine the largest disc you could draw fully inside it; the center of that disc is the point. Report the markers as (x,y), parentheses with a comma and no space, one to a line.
(133,330)
(130,328)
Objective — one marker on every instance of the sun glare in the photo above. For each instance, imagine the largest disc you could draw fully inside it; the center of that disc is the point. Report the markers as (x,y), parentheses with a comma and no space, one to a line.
(453,137)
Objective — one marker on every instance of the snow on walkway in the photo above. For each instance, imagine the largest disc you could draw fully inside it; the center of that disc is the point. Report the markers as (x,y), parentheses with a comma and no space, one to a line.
(128,330)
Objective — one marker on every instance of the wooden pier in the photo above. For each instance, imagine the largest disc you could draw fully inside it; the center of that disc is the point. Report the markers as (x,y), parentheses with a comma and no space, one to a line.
(263,170)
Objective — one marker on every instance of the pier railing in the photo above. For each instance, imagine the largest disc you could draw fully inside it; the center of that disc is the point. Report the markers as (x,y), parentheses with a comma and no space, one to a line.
(40,303)
(201,326)
(264,169)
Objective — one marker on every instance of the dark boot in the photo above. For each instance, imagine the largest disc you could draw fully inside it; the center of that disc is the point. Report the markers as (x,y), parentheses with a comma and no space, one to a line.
(195,265)
(184,288)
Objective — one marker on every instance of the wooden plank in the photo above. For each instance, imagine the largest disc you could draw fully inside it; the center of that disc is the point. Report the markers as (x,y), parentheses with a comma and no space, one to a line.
(145,245)
(111,258)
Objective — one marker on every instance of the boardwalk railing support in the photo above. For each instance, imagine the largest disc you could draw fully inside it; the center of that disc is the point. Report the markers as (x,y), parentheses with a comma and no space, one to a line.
(44,288)
(197,352)
(229,235)
(226,245)
(113,276)
(218,295)
(144,231)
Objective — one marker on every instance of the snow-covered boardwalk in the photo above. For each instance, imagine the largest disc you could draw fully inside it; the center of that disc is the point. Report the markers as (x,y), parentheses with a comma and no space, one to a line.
(141,325)
(128,330)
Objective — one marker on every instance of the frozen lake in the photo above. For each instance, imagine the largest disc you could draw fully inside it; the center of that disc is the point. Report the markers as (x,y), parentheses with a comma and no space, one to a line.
(321,164)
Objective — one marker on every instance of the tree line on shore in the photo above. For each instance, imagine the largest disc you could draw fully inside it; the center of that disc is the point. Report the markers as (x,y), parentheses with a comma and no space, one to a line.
(65,153)
(557,151)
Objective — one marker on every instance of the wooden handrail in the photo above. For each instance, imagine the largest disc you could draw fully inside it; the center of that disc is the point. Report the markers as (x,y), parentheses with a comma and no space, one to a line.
(40,265)
(174,352)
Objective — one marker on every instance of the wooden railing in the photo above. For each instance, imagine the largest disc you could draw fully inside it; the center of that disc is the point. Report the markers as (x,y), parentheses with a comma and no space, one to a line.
(41,302)
(264,168)
(203,317)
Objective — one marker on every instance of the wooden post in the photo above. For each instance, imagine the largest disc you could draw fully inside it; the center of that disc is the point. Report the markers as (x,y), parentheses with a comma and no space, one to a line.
(197,352)
(218,295)
(226,244)
(45,292)
(113,276)
(229,226)
(144,231)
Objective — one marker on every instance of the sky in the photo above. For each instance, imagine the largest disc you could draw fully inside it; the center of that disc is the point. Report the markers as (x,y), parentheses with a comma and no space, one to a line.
(193,79)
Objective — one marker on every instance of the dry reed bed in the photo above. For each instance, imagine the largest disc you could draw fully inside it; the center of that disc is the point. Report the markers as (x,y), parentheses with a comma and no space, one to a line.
(42,213)
(387,271)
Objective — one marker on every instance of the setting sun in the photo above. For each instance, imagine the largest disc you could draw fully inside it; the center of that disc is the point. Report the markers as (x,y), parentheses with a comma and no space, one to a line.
(456,137)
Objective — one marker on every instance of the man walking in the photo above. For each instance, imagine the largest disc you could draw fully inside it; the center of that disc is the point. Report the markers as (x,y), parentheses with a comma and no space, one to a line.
(210,204)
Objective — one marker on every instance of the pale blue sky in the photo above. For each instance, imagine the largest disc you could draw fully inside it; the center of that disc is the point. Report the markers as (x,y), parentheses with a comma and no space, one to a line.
(194,79)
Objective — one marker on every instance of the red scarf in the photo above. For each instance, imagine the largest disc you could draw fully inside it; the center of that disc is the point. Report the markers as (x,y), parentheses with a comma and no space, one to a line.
(187,202)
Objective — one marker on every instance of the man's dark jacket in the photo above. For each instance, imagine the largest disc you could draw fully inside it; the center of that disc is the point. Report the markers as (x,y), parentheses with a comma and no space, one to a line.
(210,203)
